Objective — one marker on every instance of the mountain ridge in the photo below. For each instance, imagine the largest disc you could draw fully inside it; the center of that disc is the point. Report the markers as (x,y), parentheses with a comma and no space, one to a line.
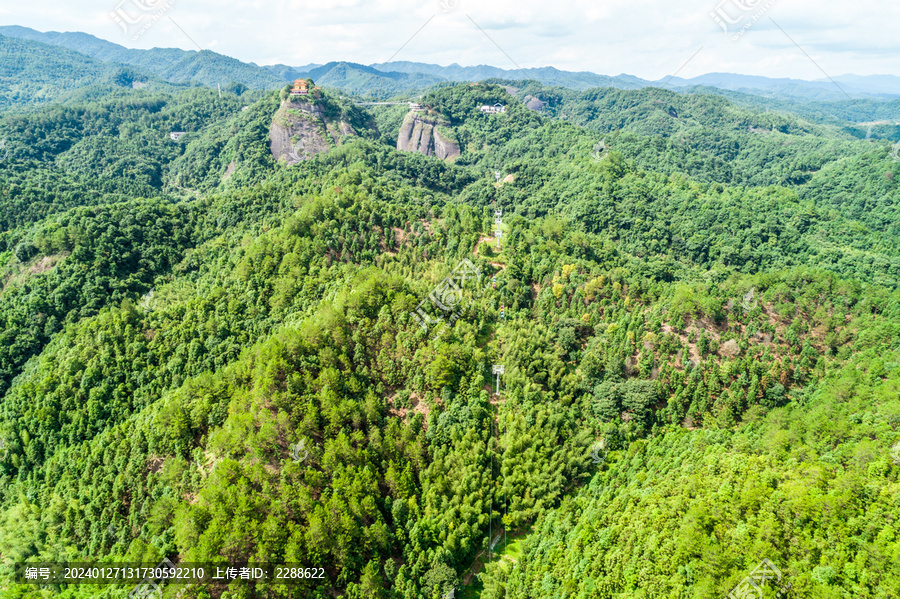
(401,77)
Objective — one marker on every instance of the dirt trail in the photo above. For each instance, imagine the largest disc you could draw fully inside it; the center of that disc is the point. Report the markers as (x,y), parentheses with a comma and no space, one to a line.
(490,240)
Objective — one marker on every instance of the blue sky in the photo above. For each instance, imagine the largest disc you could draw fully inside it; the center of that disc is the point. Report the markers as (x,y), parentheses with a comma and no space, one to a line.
(647,38)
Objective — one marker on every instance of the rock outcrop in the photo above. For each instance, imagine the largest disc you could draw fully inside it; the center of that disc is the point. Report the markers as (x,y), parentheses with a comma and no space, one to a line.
(422,134)
(535,104)
(300,130)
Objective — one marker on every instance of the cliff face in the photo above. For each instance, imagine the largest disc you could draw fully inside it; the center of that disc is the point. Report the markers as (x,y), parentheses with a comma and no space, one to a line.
(420,134)
(300,130)
(535,104)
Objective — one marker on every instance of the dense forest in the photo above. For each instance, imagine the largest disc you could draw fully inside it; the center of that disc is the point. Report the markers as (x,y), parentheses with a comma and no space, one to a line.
(696,304)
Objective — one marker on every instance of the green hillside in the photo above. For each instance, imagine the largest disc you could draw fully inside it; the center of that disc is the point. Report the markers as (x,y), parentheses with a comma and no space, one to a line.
(365,81)
(101,152)
(549,76)
(808,487)
(214,357)
(169,64)
(715,140)
(33,73)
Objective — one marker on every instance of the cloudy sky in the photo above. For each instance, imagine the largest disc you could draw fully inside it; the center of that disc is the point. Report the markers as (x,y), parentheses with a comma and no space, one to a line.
(649,38)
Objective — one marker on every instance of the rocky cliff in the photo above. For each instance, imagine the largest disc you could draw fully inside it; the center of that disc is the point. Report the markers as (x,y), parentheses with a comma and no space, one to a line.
(300,130)
(535,104)
(421,134)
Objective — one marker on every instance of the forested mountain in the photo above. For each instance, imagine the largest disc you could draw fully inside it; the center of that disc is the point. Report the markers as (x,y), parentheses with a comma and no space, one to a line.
(367,81)
(848,115)
(176,66)
(862,118)
(385,80)
(546,75)
(836,89)
(711,138)
(33,73)
(107,151)
(217,356)
(878,87)
(169,64)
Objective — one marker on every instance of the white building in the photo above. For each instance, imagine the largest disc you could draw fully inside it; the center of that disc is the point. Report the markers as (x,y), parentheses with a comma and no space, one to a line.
(493,109)
(175,135)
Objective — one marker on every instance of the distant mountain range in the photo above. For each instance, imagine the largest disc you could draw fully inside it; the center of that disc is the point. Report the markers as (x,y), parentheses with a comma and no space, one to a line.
(171,64)
(381,80)
(544,75)
(32,74)
(855,86)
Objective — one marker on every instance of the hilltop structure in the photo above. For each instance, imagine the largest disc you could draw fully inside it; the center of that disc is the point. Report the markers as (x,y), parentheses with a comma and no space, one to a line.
(300,88)
(496,108)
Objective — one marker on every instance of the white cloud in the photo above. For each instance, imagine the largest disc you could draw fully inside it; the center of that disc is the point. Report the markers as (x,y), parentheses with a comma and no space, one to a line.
(647,38)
